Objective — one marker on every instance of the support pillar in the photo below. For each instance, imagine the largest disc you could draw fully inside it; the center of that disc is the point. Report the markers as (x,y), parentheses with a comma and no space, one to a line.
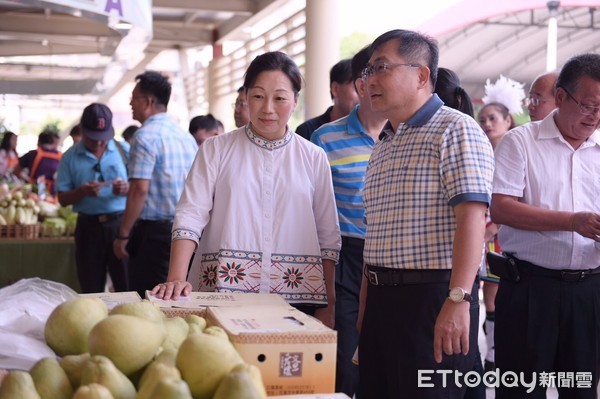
(188,87)
(322,52)
(218,104)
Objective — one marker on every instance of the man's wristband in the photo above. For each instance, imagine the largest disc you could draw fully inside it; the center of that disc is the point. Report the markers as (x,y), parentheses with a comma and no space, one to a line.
(122,237)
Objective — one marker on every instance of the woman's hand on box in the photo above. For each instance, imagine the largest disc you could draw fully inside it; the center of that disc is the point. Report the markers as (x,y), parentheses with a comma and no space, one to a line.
(172,290)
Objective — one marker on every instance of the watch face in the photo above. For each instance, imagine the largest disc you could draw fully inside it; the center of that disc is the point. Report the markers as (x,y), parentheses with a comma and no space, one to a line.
(456,294)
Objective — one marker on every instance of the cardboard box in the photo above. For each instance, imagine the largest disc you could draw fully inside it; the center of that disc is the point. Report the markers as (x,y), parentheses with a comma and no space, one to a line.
(295,353)
(316,396)
(197,302)
(113,299)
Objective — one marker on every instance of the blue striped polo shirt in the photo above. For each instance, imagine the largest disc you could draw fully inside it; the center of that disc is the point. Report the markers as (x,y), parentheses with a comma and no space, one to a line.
(348,147)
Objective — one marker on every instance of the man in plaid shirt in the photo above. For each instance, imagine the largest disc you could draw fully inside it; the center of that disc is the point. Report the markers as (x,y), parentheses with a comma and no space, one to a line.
(427,188)
(160,158)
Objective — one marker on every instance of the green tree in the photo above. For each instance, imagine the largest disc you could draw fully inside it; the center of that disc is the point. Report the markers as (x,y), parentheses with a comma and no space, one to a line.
(53,125)
(351,44)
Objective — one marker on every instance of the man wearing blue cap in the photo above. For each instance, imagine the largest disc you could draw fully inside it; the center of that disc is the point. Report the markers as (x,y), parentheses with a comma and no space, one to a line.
(92,177)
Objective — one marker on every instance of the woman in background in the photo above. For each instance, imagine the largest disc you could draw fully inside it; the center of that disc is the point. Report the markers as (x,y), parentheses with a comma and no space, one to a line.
(8,153)
(503,98)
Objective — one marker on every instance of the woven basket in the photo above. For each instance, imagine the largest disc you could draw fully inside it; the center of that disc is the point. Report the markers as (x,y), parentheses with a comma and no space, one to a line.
(29,231)
(51,232)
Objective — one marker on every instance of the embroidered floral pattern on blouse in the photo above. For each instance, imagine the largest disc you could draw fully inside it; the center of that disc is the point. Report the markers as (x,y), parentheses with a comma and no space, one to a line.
(298,278)
(183,234)
(209,276)
(293,277)
(330,254)
(232,273)
(268,144)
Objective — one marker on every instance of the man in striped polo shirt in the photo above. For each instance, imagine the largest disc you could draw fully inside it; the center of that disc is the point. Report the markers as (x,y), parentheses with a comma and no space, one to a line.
(348,143)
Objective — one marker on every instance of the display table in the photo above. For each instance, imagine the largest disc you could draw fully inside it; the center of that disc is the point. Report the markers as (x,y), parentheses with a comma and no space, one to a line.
(50,259)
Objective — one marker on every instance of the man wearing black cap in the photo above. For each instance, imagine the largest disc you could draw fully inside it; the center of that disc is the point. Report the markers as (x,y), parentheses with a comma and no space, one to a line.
(92,177)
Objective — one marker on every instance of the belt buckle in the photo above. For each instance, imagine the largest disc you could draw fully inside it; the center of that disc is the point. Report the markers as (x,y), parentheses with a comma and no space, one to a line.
(573,276)
(373,278)
(102,218)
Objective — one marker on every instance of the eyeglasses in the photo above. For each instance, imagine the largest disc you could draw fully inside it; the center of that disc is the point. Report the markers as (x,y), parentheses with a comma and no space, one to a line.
(535,101)
(98,170)
(239,104)
(382,67)
(584,109)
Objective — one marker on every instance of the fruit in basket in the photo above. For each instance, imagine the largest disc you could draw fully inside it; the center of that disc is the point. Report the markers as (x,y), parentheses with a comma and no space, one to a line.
(130,342)
(73,366)
(4,190)
(204,361)
(216,331)
(239,384)
(154,373)
(101,370)
(253,372)
(166,356)
(69,324)
(48,209)
(144,309)
(54,226)
(177,332)
(171,388)
(197,324)
(51,381)
(18,384)
(17,209)
(93,391)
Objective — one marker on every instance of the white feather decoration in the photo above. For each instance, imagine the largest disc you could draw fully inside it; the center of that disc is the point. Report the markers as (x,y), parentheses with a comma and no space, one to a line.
(506,92)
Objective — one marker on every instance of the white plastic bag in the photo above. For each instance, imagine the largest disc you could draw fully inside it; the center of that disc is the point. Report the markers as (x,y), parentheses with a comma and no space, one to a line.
(24,309)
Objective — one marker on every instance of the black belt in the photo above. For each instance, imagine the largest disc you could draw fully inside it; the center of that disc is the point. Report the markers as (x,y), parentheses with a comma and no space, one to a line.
(353,241)
(107,217)
(158,221)
(393,277)
(564,275)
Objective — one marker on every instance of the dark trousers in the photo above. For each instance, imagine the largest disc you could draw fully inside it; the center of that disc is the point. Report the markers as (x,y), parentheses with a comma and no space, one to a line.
(397,341)
(477,392)
(94,255)
(149,250)
(544,324)
(348,277)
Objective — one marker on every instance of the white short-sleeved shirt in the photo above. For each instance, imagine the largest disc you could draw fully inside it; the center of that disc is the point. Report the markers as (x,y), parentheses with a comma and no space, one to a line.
(266,215)
(535,164)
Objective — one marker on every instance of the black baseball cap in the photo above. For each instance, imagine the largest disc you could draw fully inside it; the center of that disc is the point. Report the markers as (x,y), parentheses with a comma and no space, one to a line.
(96,122)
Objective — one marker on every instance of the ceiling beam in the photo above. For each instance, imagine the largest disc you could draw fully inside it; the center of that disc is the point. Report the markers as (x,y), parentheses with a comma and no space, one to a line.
(129,76)
(233,29)
(37,87)
(190,35)
(31,23)
(14,49)
(235,6)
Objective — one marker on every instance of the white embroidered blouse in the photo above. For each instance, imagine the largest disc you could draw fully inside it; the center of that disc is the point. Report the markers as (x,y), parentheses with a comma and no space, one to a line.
(263,215)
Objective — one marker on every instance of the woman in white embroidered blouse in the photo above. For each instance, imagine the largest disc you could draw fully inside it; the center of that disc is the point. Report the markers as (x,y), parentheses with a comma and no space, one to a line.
(258,207)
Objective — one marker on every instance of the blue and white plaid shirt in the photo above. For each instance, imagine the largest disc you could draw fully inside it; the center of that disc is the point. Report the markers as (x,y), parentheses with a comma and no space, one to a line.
(416,175)
(161,152)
